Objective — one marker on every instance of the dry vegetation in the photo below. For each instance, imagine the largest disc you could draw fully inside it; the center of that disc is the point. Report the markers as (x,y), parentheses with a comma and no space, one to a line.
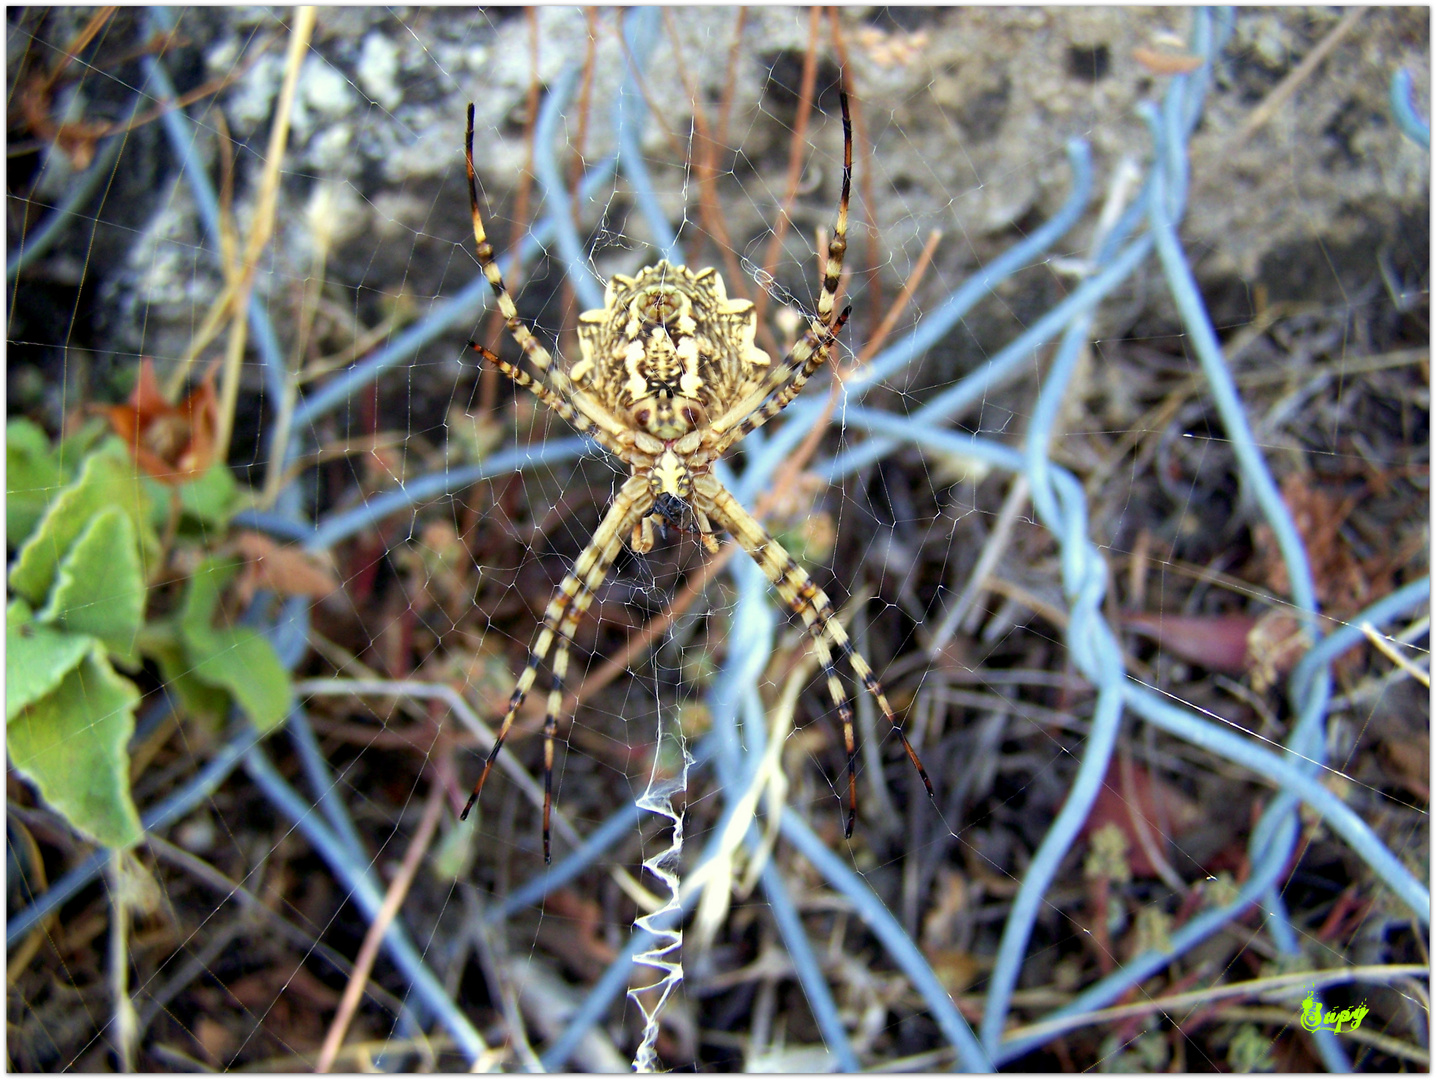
(243,942)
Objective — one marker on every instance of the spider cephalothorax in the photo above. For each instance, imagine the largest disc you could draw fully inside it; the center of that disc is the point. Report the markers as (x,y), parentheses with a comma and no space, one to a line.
(670,378)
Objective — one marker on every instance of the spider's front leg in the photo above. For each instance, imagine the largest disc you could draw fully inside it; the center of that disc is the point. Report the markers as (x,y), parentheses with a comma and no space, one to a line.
(810,353)
(812,605)
(560,620)
(522,379)
(557,391)
(785,380)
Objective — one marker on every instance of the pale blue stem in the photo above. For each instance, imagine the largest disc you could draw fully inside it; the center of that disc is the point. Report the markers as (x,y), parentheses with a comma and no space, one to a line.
(1404,109)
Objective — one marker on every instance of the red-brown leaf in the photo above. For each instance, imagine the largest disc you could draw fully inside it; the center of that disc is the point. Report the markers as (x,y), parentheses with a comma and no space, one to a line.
(173,443)
(1217,642)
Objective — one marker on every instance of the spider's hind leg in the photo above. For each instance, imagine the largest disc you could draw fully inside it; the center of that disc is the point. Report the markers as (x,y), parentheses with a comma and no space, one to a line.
(560,619)
(809,602)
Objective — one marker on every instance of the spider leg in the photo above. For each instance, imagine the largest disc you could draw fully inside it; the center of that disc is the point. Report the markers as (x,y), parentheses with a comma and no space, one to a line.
(788,378)
(812,604)
(580,603)
(560,384)
(838,245)
(705,532)
(549,397)
(772,397)
(560,619)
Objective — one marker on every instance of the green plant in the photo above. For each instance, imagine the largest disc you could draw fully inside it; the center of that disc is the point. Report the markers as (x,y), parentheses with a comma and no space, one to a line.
(83,617)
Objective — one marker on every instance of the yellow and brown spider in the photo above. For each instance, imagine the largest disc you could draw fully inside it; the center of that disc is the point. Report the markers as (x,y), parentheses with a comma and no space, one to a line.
(670,378)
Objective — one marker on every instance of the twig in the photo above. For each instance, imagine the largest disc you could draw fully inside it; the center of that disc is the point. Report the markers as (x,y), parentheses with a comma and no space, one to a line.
(1142,830)
(584,107)
(84,133)
(126,1027)
(655,106)
(262,228)
(706,164)
(1299,74)
(77,45)
(880,335)
(795,162)
(365,444)
(361,1052)
(1384,646)
(617,664)
(730,77)
(403,689)
(35,882)
(1378,974)
(715,876)
(369,951)
(883,810)
(362,341)
(992,551)
(219,309)
(256,909)
(788,473)
(1377,1040)
(322,237)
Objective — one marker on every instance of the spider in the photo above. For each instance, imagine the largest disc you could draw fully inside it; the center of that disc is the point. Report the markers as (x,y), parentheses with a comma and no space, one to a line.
(668,379)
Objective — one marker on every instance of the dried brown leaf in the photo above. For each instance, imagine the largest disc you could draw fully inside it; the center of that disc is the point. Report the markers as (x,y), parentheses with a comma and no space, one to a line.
(1158,804)
(287,570)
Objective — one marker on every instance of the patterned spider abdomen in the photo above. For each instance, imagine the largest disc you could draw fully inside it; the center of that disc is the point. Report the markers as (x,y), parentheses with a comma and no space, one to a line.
(668,349)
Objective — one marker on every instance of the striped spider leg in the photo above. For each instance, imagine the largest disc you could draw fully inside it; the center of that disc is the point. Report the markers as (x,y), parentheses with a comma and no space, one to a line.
(668,379)
(812,605)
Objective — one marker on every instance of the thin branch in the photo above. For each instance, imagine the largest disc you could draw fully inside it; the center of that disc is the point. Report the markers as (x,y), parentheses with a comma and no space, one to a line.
(262,227)
(1299,74)
(369,951)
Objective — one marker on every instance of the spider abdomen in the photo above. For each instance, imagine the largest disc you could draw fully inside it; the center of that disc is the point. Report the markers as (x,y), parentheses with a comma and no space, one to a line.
(669,349)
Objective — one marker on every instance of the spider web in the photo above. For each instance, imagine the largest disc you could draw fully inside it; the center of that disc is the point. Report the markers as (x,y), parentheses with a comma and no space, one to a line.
(450,507)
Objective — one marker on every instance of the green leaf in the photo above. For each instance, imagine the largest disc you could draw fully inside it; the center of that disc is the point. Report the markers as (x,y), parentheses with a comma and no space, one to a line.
(76,444)
(233,658)
(33,477)
(160,641)
(201,598)
(71,745)
(211,499)
(244,663)
(106,480)
(37,658)
(99,586)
